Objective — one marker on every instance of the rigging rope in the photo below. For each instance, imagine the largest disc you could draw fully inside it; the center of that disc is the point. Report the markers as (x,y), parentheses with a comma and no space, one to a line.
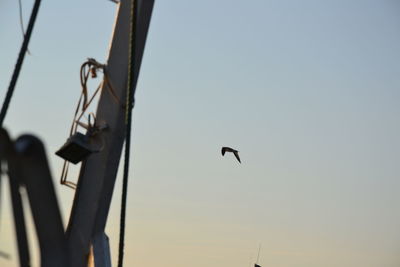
(18,66)
(21,23)
(20,60)
(128,123)
(88,69)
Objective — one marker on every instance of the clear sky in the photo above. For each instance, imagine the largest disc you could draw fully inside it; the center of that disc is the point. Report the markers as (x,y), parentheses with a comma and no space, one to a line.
(308,91)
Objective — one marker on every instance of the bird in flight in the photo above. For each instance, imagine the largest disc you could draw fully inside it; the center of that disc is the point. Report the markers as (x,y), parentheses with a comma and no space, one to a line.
(234,151)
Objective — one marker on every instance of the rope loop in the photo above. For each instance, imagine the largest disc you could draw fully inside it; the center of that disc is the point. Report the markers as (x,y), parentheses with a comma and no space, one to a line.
(89,69)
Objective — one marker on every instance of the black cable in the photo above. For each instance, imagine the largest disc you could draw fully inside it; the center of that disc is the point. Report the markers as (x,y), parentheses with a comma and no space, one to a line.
(21,23)
(20,60)
(128,123)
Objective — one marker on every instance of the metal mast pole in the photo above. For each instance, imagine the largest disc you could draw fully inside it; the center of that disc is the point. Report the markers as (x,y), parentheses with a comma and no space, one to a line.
(98,173)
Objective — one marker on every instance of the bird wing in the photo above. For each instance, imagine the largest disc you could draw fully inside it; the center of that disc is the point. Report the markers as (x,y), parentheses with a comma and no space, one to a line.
(223,150)
(237,156)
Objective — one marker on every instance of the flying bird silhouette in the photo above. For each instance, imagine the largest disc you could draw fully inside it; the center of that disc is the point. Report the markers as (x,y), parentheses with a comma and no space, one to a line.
(234,151)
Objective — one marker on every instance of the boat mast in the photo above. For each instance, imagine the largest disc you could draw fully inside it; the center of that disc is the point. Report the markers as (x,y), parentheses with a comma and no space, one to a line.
(98,172)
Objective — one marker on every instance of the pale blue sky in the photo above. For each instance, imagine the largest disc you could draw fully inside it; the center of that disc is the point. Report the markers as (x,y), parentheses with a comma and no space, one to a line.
(308,91)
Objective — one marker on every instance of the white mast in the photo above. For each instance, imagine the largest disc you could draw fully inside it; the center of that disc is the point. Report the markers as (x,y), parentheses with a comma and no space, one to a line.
(98,173)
